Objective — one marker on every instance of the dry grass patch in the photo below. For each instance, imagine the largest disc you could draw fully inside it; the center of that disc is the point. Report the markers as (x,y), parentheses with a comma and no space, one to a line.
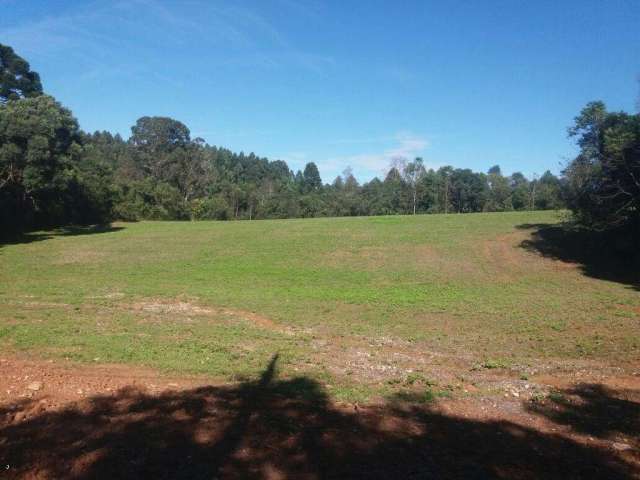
(171,309)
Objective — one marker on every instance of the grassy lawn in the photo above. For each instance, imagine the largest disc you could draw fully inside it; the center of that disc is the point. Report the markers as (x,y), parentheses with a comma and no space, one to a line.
(366,305)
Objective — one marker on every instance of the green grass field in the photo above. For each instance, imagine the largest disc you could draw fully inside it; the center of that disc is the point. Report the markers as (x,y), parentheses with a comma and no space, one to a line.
(368,306)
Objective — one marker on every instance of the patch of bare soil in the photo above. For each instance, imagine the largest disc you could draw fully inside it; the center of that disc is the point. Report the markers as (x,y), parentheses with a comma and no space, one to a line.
(59,381)
(631,309)
(384,360)
(109,295)
(507,257)
(257,320)
(35,304)
(63,421)
(503,253)
(167,307)
(412,367)
(170,309)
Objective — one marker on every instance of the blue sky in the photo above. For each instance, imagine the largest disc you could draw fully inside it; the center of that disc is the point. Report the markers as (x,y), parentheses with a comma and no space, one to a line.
(341,83)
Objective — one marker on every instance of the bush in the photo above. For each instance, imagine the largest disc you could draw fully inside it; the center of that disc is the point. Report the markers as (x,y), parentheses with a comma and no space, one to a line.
(211,208)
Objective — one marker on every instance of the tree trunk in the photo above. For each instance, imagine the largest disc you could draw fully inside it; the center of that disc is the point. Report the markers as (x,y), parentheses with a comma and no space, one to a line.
(533,198)
(446,195)
(414,200)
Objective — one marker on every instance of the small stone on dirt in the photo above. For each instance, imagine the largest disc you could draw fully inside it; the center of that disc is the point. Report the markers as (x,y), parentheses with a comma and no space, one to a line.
(35,386)
(19,417)
(621,447)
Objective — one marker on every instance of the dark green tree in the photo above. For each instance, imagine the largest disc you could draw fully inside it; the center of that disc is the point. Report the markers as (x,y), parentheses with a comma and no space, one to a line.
(154,140)
(499,198)
(413,172)
(311,175)
(469,191)
(548,192)
(520,197)
(159,134)
(604,179)
(16,78)
(39,142)
(394,193)
(495,170)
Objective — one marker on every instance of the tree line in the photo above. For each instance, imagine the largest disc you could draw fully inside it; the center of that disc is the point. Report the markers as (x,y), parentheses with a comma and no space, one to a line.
(160,173)
(53,173)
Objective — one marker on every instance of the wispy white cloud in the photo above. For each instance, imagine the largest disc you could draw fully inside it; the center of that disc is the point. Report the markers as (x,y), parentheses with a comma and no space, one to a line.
(406,145)
(234,36)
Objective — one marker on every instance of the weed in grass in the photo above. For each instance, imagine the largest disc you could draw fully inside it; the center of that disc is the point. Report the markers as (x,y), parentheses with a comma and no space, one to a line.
(418,378)
(556,397)
(428,395)
(494,363)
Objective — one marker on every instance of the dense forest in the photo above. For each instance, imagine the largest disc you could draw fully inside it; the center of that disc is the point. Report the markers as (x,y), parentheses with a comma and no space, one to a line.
(52,173)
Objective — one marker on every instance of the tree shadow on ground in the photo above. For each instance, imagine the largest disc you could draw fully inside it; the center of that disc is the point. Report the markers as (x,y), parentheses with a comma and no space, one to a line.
(272,428)
(600,255)
(593,409)
(38,236)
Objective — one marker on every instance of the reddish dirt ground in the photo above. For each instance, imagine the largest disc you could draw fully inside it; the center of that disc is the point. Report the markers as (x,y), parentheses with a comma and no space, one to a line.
(59,420)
